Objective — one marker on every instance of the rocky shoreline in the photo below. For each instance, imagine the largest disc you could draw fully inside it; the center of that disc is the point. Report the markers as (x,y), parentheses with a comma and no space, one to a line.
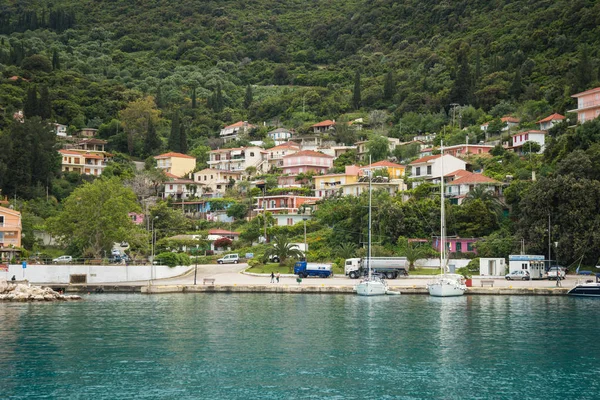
(22,292)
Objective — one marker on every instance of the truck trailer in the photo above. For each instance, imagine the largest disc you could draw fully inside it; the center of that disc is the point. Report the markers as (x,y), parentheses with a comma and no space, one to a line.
(389,267)
(304,269)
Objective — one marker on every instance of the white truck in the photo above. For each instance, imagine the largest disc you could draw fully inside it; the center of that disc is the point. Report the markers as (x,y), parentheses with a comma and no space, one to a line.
(389,267)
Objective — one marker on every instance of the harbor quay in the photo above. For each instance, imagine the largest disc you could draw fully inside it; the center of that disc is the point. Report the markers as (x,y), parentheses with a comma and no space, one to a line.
(210,278)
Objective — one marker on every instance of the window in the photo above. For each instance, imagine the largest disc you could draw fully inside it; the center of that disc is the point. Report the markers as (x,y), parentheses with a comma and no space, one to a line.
(205,176)
(418,171)
(524,266)
(251,154)
(273,204)
(470,246)
(218,186)
(458,246)
(429,170)
(290,221)
(1,220)
(170,187)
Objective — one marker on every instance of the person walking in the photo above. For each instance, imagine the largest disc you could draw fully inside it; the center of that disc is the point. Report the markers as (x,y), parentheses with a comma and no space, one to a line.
(277,276)
(272,277)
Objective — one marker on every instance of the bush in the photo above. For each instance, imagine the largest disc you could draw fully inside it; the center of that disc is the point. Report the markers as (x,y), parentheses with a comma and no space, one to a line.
(173,259)
(254,262)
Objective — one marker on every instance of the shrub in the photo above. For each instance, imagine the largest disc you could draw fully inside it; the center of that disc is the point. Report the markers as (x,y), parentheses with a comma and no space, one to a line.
(173,259)
(222,243)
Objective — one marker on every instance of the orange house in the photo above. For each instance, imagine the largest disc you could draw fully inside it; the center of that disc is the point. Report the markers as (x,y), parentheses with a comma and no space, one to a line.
(10,231)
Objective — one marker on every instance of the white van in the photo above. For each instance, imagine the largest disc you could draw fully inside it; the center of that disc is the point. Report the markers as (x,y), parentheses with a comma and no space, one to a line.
(229,258)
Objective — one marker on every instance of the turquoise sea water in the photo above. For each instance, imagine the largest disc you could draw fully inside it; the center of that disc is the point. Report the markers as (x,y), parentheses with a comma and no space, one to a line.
(278,346)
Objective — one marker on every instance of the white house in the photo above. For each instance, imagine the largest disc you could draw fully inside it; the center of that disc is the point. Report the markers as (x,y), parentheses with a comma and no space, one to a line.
(521,138)
(534,264)
(60,130)
(280,135)
(492,267)
(461,182)
(238,159)
(509,123)
(430,167)
(550,121)
(181,189)
(231,132)
(277,153)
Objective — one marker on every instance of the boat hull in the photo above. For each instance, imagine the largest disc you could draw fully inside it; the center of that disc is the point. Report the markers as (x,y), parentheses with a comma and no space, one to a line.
(371,288)
(446,288)
(586,290)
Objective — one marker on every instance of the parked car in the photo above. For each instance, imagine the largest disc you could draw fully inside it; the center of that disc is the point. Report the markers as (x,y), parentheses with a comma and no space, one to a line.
(63,260)
(521,274)
(229,259)
(274,258)
(556,270)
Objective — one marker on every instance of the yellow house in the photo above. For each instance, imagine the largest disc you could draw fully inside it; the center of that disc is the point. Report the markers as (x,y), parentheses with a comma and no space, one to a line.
(395,171)
(10,231)
(176,163)
(330,184)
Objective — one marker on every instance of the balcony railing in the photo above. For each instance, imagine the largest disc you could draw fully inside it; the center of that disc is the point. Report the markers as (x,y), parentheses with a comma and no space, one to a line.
(587,104)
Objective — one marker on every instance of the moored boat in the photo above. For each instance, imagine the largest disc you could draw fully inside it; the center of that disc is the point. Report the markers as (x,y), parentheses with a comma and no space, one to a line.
(588,288)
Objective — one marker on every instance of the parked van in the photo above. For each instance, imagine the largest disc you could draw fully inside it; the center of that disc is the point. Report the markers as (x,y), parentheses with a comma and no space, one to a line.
(229,259)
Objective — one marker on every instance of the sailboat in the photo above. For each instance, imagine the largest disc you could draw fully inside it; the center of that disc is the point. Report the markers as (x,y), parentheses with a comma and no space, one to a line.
(446,285)
(372,285)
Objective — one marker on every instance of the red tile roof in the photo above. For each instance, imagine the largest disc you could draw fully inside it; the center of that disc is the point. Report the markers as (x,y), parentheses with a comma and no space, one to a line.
(586,92)
(221,232)
(327,122)
(510,119)
(425,159)
(92,141)
(239,124)
(172,154)
(553,117)
(70,152)
(309,153)
(458,173)
(472,178)
(384,163)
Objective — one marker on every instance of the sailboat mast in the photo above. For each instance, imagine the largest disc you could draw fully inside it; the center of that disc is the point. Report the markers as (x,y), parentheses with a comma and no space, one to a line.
(442,214)
(370,199)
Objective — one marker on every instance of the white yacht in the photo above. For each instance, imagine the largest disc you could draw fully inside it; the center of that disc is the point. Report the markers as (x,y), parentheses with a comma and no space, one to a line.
(445,285)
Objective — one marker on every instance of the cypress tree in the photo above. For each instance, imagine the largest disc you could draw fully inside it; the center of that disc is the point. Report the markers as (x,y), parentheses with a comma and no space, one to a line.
(389,86)
(194,97)
(183,147)
(175,136)
(159,99)
(461,92)
(356,99)
(45,109)
(248,98)
(31,106)
(152,142)
(584,70)
(516,88)
(219,99)
(55,60)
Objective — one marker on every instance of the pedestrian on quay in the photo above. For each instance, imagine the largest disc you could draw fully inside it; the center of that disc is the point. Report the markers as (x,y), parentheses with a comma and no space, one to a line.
(277,276)
(272,277)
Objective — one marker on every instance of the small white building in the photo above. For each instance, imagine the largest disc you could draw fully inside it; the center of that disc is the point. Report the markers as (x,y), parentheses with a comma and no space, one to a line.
(519,139)
(534,264)
(430,167)
(60,130)
(492,267)
(280,135)
(550,121)
(232,131)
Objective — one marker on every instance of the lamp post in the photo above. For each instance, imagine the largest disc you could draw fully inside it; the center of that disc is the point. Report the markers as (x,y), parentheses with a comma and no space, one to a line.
(305,245)
(152,256)
(196,269)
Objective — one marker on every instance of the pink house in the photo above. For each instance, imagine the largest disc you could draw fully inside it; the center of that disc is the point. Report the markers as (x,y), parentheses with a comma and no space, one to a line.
(588,105)
(136,218)
(303,162)
(457,245)
(464,150)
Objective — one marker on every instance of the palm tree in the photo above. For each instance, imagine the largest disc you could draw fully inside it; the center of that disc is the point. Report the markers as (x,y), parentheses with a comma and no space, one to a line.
(346,250)
(283,249)
(412,254)
(487,196)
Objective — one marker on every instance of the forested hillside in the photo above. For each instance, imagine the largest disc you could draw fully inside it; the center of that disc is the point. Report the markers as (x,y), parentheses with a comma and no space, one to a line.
(140,71)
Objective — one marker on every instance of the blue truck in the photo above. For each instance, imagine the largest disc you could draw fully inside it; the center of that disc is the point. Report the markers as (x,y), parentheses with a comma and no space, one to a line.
(304,269)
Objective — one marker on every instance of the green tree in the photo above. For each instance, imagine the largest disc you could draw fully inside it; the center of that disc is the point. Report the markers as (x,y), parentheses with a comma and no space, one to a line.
(356,96)
(237,210)
(194,97)
(95,216)
(55,60)
(389,86)
(152,142)
(45,105)
(31,108)
(183,145)
(462,90)
(135,118)
(378,147)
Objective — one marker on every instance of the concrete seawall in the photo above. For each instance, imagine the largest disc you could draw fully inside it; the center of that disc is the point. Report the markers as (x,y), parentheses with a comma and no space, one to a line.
(336,290)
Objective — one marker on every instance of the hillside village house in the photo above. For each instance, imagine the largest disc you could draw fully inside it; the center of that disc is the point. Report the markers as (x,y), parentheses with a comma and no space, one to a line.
(87,132)
(82,163)
(178,188)
(239,159)
(176,163)
(232,131)
(282,204)
(460,182)
(303,162)
(336,151)
(429,168)
(10,233)
(519,139)
(323,126)
(216,180)
(550,121)
(363,152)
(465,150)
(331,184)
(509,124)
(280,135)
(277,153)
(588,105)
(312,142)
(392,186)
(394,171)
(456,244)
(60,130)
